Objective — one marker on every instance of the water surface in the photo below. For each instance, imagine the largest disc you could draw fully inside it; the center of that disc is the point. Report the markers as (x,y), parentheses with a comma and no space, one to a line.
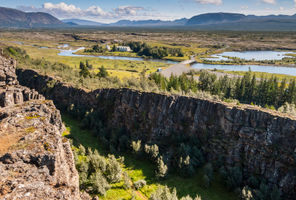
(255,68)
(251,55)
(72,54)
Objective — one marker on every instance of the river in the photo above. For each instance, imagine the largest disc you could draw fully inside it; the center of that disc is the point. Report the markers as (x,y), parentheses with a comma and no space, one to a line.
(250,55)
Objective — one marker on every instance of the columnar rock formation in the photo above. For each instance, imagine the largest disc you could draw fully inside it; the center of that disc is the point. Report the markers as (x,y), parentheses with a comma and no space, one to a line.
(35,161)
(262,143)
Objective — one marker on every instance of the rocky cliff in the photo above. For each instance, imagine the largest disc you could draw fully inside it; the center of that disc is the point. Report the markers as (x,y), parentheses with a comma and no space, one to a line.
(35,161)
(262,143)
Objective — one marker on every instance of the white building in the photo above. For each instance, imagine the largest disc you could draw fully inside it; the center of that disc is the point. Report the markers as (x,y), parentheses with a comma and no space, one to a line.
(108,47)
(124,48)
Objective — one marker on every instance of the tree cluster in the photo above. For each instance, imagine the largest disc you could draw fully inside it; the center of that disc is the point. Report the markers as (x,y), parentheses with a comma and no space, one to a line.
(268,92)
(164,193)
(97,49)
(143,49)
(96,173)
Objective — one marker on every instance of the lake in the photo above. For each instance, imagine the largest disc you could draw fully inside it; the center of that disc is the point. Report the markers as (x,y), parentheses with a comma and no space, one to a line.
(254,55)
(255,68)
(251,55)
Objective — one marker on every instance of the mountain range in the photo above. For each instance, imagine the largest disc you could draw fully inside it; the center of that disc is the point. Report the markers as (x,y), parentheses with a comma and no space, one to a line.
(82,22)
(15,18)
(212,21)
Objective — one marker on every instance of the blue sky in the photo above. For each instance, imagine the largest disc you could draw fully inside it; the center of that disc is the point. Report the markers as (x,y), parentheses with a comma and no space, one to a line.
(114,10)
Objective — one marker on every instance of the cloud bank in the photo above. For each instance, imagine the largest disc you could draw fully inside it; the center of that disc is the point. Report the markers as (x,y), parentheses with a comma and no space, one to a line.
(63,10)
(215,2)
(269,1)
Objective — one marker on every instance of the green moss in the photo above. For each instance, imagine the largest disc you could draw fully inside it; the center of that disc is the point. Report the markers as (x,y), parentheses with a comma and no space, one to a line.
(32,116)
(31,129)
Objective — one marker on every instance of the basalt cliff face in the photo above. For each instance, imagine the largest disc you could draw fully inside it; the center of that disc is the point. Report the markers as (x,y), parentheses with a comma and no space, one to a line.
(35,161)
(262,143)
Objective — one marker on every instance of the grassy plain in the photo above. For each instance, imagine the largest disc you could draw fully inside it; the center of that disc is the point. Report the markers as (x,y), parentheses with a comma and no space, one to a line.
(199,43)
(139,169)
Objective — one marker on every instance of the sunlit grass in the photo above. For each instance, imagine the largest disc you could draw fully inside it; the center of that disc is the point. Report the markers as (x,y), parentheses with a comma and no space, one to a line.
(119,68)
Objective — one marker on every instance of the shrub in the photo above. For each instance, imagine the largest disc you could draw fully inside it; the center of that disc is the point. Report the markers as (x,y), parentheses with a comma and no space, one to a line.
(98,183)
(127,181)
(136,147)
(139,184)
(103,73)
(164,193)
(97,162)
(81,150)
(185,167)
(246,194)
(113,170)
(152,151)
(162,169)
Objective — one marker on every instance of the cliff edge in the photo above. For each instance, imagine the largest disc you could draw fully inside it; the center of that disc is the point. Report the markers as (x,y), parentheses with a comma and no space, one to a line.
(36,162)
(261,143)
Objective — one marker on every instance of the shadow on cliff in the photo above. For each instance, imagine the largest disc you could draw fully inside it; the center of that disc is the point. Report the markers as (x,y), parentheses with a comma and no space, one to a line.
(143,169)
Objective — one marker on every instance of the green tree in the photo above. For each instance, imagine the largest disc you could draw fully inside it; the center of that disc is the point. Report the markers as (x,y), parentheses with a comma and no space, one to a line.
(103,73)
(164,193)
(162,169)
(89,66)
(113,170)
(98,183)
(127,181)
(84,72)
(136,147)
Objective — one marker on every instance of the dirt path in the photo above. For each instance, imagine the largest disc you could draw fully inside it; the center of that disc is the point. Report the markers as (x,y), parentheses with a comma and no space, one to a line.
(140,195)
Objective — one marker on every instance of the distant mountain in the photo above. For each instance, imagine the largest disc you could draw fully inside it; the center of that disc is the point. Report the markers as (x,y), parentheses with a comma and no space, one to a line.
(71,23)
(209,21)
(179,22)
(215,18)
(16,18)
(82,22)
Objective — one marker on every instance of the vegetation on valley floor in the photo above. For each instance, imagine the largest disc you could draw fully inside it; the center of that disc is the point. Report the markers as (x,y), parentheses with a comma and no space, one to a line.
(134,169)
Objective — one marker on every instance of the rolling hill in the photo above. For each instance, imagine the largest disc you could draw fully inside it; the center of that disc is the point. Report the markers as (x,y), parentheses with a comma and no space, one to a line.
(15,18)
(82,22)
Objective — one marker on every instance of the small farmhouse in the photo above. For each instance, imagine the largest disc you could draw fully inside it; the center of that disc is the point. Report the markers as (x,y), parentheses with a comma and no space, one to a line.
(124,48)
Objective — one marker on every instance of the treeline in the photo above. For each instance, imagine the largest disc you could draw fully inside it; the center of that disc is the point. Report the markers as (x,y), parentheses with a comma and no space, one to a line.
(268,92)
(143,49)
(96,48)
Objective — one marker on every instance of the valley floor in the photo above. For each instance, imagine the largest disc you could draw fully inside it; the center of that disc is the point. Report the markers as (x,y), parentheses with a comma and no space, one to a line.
(139,169)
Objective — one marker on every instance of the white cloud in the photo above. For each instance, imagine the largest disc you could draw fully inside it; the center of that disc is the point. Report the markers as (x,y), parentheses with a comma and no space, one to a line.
(127,10)
(270,1)
(216,2)
(63,10)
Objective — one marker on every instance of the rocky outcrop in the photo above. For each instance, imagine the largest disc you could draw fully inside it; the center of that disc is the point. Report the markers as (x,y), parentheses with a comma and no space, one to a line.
(261,142)
(36,162)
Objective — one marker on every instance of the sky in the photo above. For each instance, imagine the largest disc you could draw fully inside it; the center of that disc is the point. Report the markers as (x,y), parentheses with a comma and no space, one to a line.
(107,11)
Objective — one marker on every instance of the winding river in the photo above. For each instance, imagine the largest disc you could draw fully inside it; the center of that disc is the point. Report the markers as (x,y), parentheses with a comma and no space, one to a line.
(72,54)
(263,55)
